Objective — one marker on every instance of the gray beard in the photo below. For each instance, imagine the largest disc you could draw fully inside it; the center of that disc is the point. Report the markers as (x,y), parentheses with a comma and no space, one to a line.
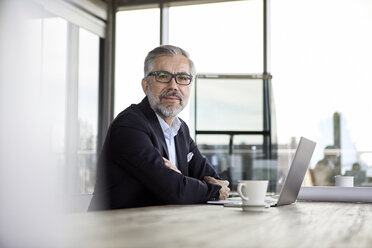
(166,112)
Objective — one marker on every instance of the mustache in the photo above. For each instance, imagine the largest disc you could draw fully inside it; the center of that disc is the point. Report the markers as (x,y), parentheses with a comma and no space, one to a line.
(176,94)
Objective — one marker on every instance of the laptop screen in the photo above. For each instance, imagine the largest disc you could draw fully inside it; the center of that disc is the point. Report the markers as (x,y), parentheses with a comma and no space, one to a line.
(297,171)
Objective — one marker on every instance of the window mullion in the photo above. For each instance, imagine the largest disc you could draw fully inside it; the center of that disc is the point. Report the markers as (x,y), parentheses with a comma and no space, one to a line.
(164,25)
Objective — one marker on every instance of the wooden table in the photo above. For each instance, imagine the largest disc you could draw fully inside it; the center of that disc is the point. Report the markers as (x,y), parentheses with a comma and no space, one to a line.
(304,224)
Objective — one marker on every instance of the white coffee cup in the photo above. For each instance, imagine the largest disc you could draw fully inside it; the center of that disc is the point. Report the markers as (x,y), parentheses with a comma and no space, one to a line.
(253,192)
(344,181)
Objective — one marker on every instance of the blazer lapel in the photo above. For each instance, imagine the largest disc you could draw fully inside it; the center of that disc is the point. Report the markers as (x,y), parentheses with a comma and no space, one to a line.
(154,122)
(181,152)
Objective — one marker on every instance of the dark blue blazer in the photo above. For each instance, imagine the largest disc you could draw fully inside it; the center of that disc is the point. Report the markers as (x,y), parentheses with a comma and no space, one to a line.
(131,172)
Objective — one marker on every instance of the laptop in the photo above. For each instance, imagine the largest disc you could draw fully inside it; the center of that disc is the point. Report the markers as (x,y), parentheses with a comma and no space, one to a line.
(293,181)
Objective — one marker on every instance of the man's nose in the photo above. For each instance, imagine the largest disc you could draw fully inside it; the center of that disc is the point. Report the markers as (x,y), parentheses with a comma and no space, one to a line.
(173,84)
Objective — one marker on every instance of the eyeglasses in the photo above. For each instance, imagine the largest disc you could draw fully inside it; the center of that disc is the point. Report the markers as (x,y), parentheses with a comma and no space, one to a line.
(166,77)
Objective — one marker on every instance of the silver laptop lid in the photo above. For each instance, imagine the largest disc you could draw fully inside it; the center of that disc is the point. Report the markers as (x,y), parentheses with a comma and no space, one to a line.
(297,171)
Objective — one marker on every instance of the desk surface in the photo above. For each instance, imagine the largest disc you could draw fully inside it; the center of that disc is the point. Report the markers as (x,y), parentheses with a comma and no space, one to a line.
(304,224)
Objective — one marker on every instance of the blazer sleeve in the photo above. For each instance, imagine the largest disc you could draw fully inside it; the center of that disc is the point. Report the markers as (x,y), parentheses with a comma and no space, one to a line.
(133,149)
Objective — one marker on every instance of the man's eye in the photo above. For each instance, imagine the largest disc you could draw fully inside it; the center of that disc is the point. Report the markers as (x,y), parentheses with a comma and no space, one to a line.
(183,77)
(163,76)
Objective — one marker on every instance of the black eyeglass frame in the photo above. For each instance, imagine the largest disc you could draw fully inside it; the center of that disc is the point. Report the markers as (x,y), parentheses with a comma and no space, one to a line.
(156,73)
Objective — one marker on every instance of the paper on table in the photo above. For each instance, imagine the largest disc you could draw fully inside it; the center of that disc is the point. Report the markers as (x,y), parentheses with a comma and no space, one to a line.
(339,194)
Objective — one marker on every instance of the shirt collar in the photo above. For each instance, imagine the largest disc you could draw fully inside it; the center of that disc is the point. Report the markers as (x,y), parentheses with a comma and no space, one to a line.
(169,131)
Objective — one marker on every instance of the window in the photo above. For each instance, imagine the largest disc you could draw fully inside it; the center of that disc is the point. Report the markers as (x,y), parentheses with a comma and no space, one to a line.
(87,110)
(44,90)
(132,44)
(53,66)
(321,56)
(69,82)
(221,37)
(59,85)
(229,104)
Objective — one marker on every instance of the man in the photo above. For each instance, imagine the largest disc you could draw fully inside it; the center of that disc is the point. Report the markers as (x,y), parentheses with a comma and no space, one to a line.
(327,168)
(148,157)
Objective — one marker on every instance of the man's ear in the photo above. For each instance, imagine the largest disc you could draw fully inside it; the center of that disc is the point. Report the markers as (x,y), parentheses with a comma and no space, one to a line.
(145,86)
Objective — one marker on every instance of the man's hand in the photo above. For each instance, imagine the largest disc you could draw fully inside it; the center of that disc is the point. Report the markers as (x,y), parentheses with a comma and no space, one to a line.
(170,165)
(224,191)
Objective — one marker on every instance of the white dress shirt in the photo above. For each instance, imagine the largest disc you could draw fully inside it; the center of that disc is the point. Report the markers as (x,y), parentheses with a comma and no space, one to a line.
(169,133)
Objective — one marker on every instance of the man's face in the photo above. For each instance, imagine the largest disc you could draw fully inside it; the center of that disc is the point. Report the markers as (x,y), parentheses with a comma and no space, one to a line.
(168,99)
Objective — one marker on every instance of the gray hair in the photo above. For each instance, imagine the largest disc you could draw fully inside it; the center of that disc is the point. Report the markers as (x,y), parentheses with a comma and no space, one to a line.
(166,50)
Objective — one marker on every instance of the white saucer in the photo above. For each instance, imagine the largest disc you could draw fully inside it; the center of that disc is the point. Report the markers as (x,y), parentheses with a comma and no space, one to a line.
(239,205)
(255,208)
(254,205)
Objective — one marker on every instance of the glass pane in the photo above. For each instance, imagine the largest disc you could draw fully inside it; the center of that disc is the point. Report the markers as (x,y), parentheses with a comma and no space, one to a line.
(137,33)
(216,149)
(53,67)
(221,37)
(320,67)
(33,61)
(255,143)
(229,104)
(87,110)
(244,162)
(248,157)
